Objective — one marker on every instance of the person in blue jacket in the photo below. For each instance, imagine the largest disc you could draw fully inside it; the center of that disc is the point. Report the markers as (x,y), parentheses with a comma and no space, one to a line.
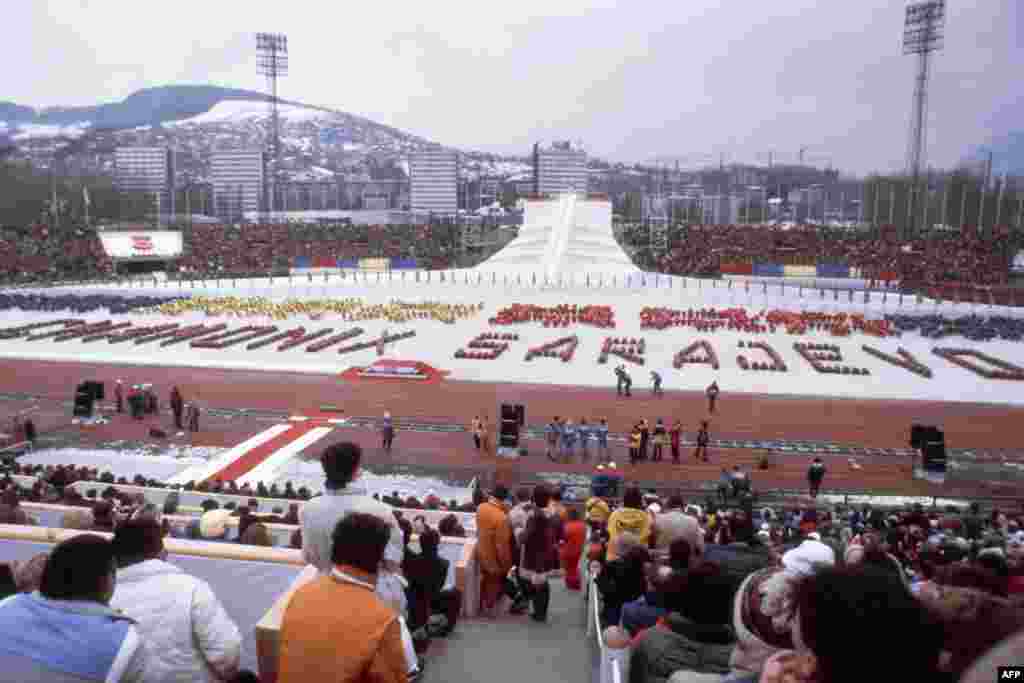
(568,441)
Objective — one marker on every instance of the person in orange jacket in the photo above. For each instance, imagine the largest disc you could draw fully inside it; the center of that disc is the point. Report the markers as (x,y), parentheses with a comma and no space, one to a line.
(494,548)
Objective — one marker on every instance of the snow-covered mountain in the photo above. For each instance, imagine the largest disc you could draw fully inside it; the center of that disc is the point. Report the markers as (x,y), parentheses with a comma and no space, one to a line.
(316,143)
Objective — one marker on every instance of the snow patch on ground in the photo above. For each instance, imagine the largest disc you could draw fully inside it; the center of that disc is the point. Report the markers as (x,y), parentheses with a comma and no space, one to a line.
(233,111)
(151,462)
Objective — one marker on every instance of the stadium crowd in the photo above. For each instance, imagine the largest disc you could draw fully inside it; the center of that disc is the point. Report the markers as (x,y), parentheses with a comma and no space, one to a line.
(236,249)
(720,589)
(714,592)
(38,252)
(170,626)
(940,258)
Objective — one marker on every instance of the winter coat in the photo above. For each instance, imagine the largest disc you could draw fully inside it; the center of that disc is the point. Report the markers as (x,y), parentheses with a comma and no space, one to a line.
(494,538)
(620,582)
(681,644)
(540,542)
(189,634)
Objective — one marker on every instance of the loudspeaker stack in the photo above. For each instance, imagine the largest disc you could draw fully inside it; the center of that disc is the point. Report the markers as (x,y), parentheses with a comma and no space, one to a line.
(83,400)
(513,416)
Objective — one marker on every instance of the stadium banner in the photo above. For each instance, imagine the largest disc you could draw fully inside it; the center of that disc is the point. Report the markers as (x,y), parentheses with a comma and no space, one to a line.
(349,264)
(314,271)
(800,271)
(374,264)
(832,270)
(403,263)
(302,262)
(153,244)
(768,270)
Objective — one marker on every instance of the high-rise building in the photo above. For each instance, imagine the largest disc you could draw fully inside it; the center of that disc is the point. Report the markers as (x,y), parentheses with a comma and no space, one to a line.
(559,167)
(148,171)
(434,181)
(238,178)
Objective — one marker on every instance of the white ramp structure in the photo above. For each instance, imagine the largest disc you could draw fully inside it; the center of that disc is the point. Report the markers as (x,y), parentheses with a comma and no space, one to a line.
(563,238)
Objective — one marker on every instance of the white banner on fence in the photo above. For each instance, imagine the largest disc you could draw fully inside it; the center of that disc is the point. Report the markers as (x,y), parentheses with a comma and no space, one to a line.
(163,244)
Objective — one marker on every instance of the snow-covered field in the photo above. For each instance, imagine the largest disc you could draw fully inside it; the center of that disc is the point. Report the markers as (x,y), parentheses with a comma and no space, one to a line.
(565,253)
(165,462)
(436,343)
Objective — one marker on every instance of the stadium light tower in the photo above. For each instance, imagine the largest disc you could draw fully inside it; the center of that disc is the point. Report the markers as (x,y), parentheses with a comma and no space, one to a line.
(272,62)
(922,35)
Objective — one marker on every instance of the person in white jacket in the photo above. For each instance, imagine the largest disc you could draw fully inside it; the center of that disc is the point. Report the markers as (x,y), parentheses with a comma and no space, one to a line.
(190,635)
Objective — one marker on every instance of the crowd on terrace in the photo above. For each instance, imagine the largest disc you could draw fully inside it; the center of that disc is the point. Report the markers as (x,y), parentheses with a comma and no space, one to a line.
(712,592)
(245,249)
(38,252)
(687,588)
(943,257)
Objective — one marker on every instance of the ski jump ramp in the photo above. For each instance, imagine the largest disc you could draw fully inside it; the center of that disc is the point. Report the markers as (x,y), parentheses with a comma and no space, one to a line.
(565,237)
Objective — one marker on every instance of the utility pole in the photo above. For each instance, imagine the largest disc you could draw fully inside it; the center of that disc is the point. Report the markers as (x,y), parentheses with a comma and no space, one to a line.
(984,189)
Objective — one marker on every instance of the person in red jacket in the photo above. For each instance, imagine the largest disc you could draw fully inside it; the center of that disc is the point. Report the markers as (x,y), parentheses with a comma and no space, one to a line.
(572,549)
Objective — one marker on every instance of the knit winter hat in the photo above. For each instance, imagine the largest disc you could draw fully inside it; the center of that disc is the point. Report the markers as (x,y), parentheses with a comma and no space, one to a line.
(804,558)
(213,524)
(764,612)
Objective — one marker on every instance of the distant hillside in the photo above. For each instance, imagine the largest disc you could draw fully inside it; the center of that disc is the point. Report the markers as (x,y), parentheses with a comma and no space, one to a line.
(1007,154)
(145,107)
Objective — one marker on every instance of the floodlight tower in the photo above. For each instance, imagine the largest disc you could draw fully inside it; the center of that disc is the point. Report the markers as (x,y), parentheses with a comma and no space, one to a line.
(922,35)
(272,62)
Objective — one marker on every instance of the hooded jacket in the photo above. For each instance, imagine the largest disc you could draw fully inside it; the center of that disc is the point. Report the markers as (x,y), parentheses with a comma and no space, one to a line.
(681,644)
(628,520)
(494,538)
(189,634)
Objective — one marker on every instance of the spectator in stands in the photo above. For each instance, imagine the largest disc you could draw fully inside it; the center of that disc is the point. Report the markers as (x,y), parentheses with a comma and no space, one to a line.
(67,631)
(8,585)
(213,525)
(258,534)
(571,550)
(765,605)
(632,518)
(903,639)
(494,548)
(103,516)
(539,552)
(76,519)
(624,578)
(341,464)
(189,634)
(319,519)
(694,636)
(684,554)
(357,644)
(430,592)
(28,574)
(519,513)
(11,511)
(673,524)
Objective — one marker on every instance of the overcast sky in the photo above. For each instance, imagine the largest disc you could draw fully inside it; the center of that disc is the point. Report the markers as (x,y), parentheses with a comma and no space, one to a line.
(633,79)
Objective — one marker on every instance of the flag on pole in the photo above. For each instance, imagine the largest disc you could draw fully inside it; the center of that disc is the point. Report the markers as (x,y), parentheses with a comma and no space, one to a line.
(85,196)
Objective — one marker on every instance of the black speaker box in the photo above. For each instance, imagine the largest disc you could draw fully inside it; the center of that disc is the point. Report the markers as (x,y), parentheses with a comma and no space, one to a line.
(917,436)
(934,459)
(83,407)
